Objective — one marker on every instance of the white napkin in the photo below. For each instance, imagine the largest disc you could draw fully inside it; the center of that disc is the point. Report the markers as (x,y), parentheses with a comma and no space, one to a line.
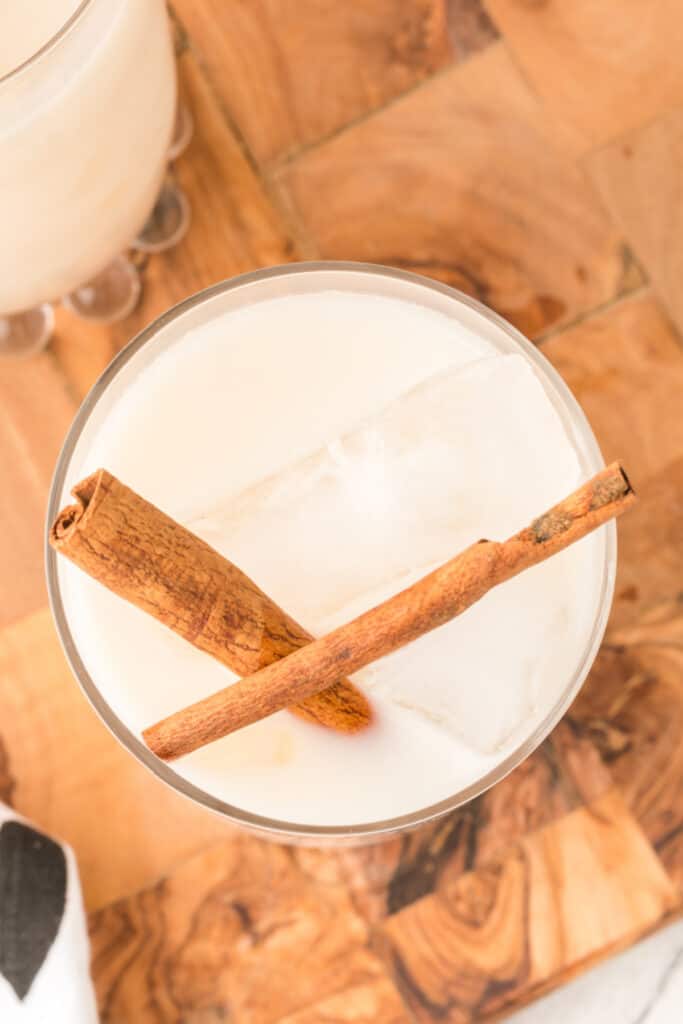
(44,952)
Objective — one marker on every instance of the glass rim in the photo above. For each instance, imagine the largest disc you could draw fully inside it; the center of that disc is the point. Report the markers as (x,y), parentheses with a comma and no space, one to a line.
(264,826)
(51,43)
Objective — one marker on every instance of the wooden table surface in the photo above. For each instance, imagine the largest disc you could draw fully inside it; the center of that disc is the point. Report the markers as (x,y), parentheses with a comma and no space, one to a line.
(530,153)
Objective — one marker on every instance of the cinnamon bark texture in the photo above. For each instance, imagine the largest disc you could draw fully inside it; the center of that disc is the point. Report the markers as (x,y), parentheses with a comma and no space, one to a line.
(427,604)
(147,558)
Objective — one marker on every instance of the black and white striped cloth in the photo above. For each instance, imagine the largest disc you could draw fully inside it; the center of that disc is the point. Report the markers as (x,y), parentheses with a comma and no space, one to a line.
(44,953)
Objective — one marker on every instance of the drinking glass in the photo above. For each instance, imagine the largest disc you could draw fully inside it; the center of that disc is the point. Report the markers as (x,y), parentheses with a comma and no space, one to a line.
(230,296)
(87,126)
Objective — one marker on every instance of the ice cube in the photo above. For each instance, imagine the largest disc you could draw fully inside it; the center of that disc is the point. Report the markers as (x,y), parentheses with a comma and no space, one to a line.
(472,452)
(485,677)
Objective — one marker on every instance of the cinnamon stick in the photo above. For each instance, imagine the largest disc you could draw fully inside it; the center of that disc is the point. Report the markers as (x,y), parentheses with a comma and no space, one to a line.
(427,604)
(147,558)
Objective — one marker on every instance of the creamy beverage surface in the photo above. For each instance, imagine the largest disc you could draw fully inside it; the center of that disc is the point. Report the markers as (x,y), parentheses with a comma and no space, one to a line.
(26,25)
(336,446)
(84,132)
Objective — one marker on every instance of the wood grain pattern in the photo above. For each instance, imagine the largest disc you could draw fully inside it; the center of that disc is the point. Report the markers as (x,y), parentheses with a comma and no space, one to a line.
(632,709)
(235,228)
(239,933)
(499,935)
(65,771)
(466,180)
(566,772)
(626,368)
(600,68)
(35,412)
(640,181)
(291,72)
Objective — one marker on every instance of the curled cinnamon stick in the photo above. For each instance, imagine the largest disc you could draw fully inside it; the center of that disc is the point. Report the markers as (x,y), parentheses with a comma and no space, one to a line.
(431,602)
(147,558)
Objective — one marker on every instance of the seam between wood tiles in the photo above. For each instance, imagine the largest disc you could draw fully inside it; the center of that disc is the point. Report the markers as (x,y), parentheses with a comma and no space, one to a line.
(603,307)
(305,245)
(584,154)
(583,161)
(507,848)
(627,134)
(553,982)
(294,232)
(167,875)
(648,284)
(291,156)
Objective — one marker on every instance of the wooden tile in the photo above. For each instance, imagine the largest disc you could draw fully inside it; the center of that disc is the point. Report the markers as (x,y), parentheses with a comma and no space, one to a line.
(499,935)
(72,778)
(565,772)
(602,68)
(238,933)
(640,181)
(632,708)
(466,180)
(290,73)
(626,368)
(35,413)
(234,228)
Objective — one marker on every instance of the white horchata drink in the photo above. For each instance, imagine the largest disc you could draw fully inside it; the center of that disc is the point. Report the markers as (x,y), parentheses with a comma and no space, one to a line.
(84,132)
(337,441)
